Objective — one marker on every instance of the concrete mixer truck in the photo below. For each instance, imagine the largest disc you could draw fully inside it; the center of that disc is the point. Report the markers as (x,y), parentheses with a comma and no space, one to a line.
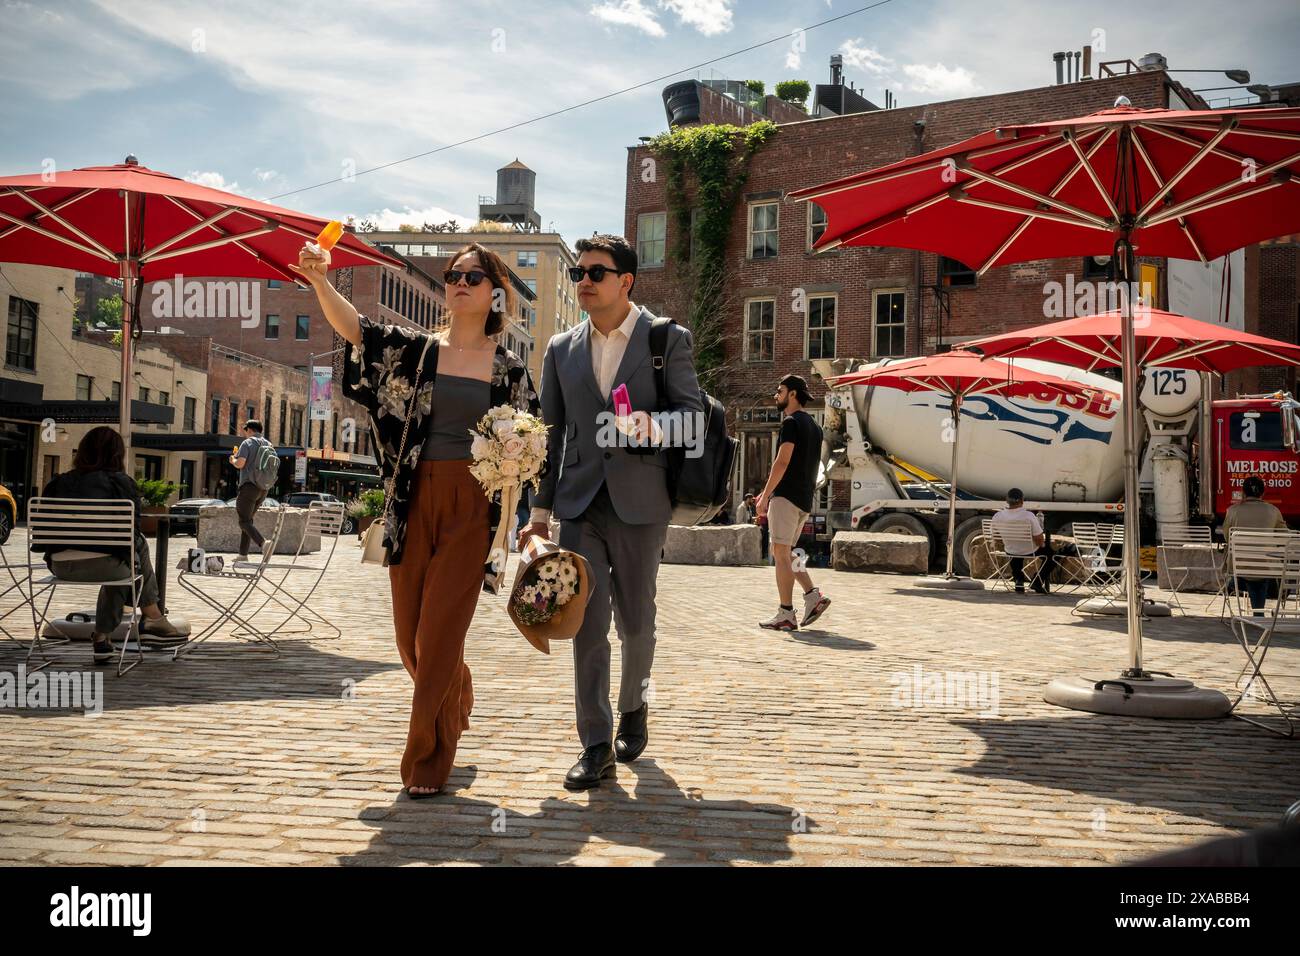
(1066,454)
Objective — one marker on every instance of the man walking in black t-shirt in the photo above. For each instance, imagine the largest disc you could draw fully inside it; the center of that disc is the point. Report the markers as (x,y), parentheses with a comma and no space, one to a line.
(787,499)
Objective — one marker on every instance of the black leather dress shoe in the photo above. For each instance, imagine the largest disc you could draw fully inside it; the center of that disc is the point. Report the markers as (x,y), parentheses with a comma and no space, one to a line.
(596,762)
(632,734)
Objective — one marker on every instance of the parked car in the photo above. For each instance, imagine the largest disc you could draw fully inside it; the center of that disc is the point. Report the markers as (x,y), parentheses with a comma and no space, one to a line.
(304,499)
(271,503)
(185,514)
(8,513)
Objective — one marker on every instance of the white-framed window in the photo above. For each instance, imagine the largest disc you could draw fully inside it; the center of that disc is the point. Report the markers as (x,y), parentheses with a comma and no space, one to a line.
(764,218)
(760,330)
(816,223)
(526,259)
(83,387)
(651,236)
(819,330)
(888,323)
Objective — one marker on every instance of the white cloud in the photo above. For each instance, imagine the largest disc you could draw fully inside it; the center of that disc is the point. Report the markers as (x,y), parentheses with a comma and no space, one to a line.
(212,180)
(391,219)
(865,58)
(265,175)
(710,17)
(630,13)
(938,80)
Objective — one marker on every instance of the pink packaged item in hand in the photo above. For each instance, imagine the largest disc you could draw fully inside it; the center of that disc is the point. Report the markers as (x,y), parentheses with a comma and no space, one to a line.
(622,404)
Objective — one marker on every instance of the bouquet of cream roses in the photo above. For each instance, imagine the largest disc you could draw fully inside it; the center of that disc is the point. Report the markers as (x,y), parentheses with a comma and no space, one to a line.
(509,448)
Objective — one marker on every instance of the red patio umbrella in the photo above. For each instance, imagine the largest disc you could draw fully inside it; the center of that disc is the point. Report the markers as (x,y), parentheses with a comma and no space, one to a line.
(1192,184)
(1163,340)
(960,375)
(140,224)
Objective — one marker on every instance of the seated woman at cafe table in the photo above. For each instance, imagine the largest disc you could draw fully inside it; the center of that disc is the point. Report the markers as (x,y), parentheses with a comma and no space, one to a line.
(97,473)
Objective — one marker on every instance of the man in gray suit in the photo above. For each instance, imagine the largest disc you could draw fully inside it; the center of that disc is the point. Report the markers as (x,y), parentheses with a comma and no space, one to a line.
(611,498)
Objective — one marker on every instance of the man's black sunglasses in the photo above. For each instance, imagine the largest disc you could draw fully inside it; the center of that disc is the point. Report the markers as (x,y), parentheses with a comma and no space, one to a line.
(597,272)
(453,277)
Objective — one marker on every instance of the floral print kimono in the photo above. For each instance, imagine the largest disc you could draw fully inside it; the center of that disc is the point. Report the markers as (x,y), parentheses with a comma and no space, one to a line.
(379,375)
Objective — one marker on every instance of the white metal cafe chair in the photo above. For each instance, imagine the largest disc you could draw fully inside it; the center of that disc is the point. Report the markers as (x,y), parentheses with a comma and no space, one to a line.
(227,592)
(1178,544)
(1101,555)
(1007,543)
(1272,556)
(14,596)
(59,523)
(289,583)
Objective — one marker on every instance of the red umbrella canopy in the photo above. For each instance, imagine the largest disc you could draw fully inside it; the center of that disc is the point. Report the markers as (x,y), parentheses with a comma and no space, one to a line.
(91,219)
(1163,339)
(962,374)
(1190,184)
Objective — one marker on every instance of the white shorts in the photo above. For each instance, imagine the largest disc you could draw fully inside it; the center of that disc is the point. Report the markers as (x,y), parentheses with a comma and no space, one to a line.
(785,521)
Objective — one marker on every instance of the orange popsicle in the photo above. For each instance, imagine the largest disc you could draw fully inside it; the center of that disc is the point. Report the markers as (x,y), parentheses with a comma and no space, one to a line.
(330,235)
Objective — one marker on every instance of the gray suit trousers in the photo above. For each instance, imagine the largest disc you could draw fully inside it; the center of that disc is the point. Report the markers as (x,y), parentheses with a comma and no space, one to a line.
(624,561)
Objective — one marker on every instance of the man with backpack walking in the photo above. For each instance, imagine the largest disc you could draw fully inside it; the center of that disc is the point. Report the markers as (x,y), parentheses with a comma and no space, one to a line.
(612,500)
(259,467)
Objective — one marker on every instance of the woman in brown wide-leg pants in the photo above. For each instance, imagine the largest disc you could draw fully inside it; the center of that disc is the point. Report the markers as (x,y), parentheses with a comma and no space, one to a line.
(435,589)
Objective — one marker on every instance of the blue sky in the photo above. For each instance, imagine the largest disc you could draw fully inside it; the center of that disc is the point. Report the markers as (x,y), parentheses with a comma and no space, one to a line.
(267,97)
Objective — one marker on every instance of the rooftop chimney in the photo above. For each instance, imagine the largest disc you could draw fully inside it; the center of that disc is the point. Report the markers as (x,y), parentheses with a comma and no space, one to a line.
(837,69)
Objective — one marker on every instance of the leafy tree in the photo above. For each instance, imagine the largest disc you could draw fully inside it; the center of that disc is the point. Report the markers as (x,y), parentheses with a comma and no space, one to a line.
(794,92)
(108,311)
(758,86)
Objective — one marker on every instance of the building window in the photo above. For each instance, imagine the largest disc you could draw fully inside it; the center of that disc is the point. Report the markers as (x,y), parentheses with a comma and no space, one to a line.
(651,233)
(272,326)
(760,330)
(889,331)
(216,416)
(117,391)
(763,219)
(816,223)
(20,347)
(234,417)
(144,393)
(1096,267)
(191,409)
(334,430)
(164,398)
(266,417)
(820,341)
(295,425)
(273,283)
(284,418)
(252,410)
(532,285)
(526,260)
(83,388)
(954,273)
(302,329)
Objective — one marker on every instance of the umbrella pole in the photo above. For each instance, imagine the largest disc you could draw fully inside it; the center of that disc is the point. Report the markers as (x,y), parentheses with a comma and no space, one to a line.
(1132,542)
(952,484)
(949,580)
(130,275)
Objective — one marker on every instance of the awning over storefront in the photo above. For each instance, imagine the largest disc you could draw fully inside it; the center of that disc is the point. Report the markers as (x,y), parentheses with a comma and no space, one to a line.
(208,443)
(72,412)
(366,478)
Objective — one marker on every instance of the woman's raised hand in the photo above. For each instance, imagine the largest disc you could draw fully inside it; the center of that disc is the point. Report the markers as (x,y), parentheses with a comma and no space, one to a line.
(313,263)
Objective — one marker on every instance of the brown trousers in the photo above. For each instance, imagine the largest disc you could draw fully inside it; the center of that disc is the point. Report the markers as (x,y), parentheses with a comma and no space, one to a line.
(435,590)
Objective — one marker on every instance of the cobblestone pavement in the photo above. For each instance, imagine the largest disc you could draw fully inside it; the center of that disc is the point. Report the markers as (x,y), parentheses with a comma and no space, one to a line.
(808,748)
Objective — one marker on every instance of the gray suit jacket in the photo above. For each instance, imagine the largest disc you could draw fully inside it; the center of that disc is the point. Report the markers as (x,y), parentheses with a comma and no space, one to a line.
(571,401)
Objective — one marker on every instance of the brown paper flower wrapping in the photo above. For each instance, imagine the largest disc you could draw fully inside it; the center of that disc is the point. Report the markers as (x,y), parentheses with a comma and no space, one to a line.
(564,624)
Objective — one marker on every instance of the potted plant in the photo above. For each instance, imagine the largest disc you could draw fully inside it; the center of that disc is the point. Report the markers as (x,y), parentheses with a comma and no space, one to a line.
(366,508)
(154,494)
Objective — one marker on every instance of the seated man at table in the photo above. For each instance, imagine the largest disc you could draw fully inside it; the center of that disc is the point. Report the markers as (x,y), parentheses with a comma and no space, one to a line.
(1253,513)
(1015,517)
(97,473)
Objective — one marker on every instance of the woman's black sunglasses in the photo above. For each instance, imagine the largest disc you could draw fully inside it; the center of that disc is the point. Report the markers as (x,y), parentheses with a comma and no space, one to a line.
(597,272)
(453,277)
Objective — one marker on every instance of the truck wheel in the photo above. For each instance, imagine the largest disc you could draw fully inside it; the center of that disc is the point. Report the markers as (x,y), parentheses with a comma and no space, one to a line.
(964,544)
(902,523)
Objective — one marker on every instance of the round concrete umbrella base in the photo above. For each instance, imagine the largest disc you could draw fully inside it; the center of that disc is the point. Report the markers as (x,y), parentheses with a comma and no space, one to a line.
(954,583)
(1116,608)
(1170,697)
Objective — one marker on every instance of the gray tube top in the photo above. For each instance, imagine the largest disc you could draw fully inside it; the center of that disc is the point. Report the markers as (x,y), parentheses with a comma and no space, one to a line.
(458,404)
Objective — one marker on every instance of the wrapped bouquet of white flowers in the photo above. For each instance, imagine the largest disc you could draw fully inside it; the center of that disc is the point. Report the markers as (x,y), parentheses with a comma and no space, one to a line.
(509,448)
(549,597)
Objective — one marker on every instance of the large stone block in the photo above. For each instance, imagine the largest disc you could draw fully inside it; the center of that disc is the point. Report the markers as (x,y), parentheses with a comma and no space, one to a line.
(1203,567)
(870,551)
(716,544)
(219,529)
